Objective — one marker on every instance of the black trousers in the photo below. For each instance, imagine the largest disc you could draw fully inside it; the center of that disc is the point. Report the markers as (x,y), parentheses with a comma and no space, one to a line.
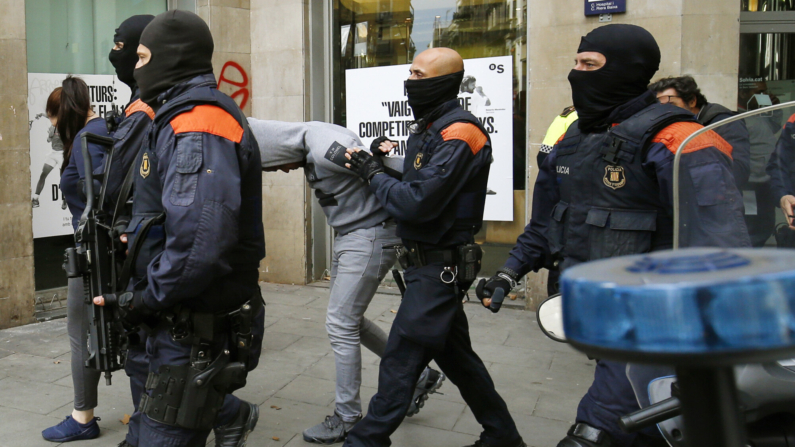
(404,360)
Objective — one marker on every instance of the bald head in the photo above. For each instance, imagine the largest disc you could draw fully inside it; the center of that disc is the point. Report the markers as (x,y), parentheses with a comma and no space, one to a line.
(436,62)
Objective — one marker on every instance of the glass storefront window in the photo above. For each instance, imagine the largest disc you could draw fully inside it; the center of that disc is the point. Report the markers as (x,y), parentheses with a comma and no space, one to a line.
(374,33)
(75,36)
(767,5)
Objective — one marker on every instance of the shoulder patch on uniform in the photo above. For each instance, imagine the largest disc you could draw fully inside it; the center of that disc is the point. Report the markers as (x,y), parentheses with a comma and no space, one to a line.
(567,111)
(674,135)
(208,119)
(140,106)
(467,132)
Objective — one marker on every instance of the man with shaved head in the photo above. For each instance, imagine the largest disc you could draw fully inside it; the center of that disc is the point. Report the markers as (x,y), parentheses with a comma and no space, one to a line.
(438,206)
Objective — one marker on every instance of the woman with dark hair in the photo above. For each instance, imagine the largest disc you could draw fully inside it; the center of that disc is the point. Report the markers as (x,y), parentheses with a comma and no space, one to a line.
(74,118)
(55,157)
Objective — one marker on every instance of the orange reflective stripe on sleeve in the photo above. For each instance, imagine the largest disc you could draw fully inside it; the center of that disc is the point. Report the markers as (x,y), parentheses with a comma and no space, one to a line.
(674,135)
(791,119)
(208,119)
(140,106)
(468,133)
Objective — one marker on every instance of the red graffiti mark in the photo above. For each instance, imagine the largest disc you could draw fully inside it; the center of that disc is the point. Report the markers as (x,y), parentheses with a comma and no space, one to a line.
(243,90)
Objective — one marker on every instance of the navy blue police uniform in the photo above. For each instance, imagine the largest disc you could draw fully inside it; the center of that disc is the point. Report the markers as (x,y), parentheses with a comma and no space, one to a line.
(736,134)
(197,211)
(438,205)
(609,193)
(128,140)
(781,166)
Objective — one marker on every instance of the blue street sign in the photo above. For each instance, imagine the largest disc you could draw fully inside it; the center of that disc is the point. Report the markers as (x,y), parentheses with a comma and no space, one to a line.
(596,7)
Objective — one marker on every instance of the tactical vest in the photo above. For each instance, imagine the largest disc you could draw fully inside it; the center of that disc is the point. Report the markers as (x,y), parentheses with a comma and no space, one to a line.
(464,214)
(609,204)
(148,212)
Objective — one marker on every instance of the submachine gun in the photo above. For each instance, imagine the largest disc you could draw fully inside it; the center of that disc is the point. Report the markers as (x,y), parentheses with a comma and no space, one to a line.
(96,260)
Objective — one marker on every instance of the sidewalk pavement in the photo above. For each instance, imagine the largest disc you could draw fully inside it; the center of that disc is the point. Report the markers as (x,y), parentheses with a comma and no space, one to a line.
(542,381)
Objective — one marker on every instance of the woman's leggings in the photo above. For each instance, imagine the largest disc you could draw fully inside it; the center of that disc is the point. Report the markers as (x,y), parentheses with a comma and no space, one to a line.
(84,380)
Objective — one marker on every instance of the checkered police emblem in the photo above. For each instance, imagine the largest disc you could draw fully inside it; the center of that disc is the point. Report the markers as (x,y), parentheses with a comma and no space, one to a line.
(145,166)
(615,177)
(418,161)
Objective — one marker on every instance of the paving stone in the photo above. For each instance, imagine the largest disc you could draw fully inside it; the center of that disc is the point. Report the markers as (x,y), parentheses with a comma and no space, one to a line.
(20,428)
(308,390)
(50,346)
(561,408)
(541,381)
(277,341)
(286,361)
(41,398)
(312,328)
(311,345)
(291,415)
(33,368)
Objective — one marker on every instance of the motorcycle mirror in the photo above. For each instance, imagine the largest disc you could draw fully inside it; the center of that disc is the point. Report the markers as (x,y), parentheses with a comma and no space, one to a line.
(550,318)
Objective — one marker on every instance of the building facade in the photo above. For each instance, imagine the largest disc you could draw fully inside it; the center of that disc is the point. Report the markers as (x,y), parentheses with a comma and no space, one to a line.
(290,60)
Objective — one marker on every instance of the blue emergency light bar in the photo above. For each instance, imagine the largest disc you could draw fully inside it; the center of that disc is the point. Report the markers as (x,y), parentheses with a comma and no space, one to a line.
(704,306)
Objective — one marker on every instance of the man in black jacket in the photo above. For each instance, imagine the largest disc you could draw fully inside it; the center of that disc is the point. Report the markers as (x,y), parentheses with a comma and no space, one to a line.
(683,92)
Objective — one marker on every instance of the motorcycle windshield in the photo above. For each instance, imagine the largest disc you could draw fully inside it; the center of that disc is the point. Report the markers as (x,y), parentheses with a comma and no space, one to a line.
(734,180)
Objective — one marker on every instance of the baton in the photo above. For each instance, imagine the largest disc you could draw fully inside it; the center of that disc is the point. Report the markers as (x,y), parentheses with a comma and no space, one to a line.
(497,299)
(399,281)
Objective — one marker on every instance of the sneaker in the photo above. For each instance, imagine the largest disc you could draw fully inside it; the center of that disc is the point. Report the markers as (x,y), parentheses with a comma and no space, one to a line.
(480,443)
(332,430)
(236,433)
(71,430)
(430,381)
(35,202)
(125,444)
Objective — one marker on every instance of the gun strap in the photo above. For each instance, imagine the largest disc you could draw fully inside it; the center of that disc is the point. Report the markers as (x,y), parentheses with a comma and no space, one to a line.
(135,248)
(124,193)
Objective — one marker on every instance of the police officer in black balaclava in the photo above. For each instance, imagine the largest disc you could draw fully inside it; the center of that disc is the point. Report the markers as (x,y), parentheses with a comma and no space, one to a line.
(629,56)
(179,47)
(131,127)
(196,240)
(601,194)
(124,54)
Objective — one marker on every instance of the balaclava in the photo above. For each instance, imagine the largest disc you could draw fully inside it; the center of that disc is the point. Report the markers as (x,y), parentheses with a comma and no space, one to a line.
(424,95)
(182,48)
(124,60)
(632,59)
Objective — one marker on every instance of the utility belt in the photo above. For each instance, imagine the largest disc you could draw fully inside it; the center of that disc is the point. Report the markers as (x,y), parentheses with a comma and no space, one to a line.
(461,263)
(190,396)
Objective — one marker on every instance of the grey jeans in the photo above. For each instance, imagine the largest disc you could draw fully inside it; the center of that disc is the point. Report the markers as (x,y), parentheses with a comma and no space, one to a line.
(358,266)
(84,380)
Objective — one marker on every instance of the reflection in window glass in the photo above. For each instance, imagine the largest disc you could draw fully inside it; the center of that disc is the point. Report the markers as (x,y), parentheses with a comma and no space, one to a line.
(373,33)
(767,5)
(75,36)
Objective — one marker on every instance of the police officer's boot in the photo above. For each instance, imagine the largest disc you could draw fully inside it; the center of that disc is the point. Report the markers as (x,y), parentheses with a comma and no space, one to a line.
(236,433)
(583,435)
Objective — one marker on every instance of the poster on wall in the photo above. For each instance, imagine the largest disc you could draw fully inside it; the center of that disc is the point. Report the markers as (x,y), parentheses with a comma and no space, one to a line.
(51,217)
(377,106)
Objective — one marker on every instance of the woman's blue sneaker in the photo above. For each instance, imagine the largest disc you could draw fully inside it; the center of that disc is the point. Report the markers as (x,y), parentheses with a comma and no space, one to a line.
(71,430)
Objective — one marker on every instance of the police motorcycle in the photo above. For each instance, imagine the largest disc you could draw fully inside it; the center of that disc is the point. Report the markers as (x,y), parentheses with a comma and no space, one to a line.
(709,332)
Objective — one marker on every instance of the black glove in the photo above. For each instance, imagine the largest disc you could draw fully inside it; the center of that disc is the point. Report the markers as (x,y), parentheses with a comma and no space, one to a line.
(374,147)
(504,279)
(132,309)
(366,165)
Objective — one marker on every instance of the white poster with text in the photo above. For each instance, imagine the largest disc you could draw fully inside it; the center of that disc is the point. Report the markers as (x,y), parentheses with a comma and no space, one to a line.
(51,217)
(377,106)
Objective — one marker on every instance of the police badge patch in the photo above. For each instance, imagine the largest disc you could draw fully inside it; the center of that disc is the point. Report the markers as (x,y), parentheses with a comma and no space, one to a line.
(615,177)
(418,161)
(145,166)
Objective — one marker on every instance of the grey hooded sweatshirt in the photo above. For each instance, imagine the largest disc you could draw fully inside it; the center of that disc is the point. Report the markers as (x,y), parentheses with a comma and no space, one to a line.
(346,199)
